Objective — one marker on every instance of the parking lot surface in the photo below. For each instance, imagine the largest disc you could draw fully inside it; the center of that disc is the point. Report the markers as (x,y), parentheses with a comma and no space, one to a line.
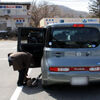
(10,91)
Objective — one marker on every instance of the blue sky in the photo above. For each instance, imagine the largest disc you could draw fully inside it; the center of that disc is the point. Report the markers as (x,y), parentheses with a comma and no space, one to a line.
(81,5)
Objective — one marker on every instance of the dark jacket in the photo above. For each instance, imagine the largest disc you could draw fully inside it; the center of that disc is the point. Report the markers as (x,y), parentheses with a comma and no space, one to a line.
(20,60)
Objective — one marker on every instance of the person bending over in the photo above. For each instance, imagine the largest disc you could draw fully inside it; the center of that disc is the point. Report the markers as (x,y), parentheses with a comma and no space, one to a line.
(20,62)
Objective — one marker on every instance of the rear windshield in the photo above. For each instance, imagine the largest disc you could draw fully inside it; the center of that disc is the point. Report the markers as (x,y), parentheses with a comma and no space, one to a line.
(76,37)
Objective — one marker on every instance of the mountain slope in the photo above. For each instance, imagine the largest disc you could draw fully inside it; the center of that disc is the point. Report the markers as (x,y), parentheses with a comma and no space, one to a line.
(68,12)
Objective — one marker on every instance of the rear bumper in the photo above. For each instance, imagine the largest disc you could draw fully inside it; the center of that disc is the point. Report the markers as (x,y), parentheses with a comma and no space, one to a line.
(65,77)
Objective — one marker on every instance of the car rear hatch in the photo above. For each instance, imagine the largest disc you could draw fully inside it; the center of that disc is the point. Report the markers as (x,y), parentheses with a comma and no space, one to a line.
(77,45)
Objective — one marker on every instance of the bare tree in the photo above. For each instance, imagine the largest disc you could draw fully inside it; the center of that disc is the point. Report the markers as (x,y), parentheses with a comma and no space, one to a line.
(42,10)
(94,8)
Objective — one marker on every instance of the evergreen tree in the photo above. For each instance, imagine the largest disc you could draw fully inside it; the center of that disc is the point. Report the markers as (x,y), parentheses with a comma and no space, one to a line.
(94,8)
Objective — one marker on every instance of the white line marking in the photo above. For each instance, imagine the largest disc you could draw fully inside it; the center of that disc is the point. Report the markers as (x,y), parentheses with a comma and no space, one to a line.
(18,90)
(16,93)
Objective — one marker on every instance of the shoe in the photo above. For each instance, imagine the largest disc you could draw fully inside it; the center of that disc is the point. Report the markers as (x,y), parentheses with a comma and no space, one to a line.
(21,84)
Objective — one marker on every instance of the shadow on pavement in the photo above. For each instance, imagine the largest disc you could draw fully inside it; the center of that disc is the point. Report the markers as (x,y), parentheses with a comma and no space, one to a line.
(67,92)
(33,90)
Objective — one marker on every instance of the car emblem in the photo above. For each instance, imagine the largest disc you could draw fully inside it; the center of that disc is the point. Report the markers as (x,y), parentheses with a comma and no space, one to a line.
(87,53)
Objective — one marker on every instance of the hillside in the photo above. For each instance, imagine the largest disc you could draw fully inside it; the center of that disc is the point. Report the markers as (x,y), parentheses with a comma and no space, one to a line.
(68,12)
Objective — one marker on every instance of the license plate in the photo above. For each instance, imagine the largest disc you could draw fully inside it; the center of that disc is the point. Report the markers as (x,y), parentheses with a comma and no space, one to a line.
(79,80)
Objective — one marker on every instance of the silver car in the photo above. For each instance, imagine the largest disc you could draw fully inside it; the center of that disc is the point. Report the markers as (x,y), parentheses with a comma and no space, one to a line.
(71,54)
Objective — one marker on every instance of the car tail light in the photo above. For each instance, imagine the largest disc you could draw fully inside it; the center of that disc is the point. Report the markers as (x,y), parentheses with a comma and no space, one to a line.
(94,69)
(79,68)
(67,69)
(53,69)
(78,25)
(59,69)
(63,69)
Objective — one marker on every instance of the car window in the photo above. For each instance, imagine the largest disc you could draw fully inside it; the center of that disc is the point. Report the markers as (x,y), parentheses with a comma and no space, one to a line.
(77,34)
(75,37)
(32,37)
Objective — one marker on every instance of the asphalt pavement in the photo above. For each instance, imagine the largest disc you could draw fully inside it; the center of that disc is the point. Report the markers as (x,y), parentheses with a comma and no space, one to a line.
(7,75)
(10,91)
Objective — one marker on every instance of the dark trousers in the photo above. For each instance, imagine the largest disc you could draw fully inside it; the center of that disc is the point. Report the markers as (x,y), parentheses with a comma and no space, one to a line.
(22,76)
